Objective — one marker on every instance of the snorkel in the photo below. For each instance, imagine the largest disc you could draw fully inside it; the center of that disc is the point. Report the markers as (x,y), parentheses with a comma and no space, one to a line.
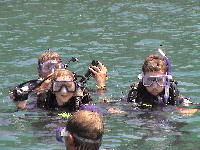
(168,74)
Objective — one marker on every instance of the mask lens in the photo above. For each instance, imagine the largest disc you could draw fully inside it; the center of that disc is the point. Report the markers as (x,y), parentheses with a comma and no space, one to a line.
(69,85)
(148,80)
(58,66)
(49,66)
(161,80)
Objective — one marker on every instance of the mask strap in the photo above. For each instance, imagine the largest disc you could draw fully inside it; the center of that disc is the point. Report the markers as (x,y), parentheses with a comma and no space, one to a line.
(61,132)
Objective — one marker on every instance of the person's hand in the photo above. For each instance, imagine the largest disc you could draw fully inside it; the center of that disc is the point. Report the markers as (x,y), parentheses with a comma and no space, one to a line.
(44,85)
(100,74)
(187,111)
(21,104)
(114,110)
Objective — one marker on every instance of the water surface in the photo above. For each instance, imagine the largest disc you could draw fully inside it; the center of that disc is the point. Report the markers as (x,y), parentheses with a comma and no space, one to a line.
(120,33)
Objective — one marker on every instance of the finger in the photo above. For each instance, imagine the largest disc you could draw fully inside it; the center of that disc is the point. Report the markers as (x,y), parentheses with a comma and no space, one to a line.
(100,64)
(91,69)
(102,67)
(97,69)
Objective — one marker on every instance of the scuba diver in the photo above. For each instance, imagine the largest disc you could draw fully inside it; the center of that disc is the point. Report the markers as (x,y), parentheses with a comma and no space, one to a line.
(84,131)
(65,92)
(48,63)
(156,87)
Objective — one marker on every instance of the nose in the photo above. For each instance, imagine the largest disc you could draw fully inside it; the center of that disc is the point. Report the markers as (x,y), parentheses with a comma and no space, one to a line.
(154,84)
(63,90)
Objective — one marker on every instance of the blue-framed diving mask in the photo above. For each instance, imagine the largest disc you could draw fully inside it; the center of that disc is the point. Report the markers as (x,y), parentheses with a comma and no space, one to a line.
(161,80)
(69,86)
(149,80)
(62,132)
(49,66)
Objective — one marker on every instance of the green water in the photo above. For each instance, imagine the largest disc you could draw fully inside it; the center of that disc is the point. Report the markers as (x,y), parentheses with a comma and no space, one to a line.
(120,33)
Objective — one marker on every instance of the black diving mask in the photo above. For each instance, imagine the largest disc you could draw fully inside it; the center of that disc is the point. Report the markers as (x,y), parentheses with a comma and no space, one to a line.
(70,86)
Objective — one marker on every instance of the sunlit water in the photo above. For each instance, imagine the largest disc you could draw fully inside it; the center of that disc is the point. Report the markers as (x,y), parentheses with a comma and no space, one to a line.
(119,33)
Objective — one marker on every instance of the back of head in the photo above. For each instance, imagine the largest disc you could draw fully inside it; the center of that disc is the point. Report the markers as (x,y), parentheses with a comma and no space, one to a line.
(48,55)
(87,129)
(154,63)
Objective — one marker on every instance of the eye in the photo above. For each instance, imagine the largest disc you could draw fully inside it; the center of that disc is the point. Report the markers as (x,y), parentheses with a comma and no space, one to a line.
(151,79)
(47,66)
(69,85)
(58,65)
(163,79)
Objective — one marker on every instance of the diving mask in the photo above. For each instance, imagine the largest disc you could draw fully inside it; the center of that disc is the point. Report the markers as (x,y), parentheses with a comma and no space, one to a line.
(49,66)
(161,80)
(62,132)
(70,86)
(149,80)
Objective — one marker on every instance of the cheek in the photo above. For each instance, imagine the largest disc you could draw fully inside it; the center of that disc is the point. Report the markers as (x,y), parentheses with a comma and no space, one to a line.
(158,88)
(64,94)
(149,89)
(57,94)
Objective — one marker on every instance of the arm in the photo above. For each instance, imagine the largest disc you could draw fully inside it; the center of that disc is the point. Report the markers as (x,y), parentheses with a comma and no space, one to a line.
(20,96)
(182,101)
(21,92)
(176,97)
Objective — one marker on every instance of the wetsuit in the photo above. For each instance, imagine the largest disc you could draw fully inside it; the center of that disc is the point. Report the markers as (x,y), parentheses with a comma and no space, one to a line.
(143,99)
(48,101)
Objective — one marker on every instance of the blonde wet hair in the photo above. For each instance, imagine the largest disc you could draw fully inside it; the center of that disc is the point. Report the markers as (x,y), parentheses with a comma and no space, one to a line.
(48,55)
(61,72)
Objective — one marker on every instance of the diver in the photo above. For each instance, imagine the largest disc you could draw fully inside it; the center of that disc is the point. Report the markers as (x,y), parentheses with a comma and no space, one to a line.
(84,130)
(65,92)
(156,87)
(48,63)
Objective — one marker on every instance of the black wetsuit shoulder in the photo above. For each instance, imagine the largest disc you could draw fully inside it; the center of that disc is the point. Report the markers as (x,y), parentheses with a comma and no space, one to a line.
(47,100)
(141,96)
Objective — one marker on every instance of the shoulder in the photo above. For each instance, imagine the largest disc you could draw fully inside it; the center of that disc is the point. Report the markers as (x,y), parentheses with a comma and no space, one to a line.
(133,91)
(134,85)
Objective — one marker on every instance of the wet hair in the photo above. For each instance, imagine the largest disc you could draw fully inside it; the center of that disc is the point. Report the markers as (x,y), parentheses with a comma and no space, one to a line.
(60,73)
(154,62)
(48,55)
(86,126)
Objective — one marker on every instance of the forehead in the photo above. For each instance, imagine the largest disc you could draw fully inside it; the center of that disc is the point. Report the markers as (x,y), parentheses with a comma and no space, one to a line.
(155,73)
(50,61)
(64,78)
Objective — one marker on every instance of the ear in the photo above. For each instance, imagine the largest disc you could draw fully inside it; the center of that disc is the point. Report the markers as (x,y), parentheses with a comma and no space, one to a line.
(69,142)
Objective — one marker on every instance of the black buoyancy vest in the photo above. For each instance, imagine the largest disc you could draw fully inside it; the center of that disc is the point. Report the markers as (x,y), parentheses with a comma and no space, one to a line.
(141,96)
(48,101)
